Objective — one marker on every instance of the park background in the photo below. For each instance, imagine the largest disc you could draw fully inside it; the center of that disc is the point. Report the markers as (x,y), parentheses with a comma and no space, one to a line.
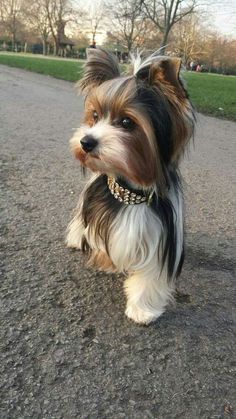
(202,34)
(66,348)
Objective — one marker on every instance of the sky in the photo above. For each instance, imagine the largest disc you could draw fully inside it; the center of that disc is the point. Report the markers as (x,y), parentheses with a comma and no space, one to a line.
(223,13)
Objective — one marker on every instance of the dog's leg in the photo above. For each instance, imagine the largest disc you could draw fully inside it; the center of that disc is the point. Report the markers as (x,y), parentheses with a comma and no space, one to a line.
(75,232)
(76,229)
(101,261)
(147,295)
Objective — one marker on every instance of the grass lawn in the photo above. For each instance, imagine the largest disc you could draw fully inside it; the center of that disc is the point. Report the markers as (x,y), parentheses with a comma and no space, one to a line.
(60,68)
(211,94)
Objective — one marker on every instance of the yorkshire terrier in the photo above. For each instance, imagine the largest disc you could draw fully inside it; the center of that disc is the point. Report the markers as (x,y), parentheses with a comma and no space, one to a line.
(130,213)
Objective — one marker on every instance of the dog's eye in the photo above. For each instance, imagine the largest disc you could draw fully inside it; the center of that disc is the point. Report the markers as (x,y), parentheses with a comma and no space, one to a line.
(127,123)
(95,116)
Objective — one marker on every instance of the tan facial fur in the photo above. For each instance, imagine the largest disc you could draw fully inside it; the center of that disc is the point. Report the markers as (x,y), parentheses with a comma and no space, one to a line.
(142,239)
(120,152)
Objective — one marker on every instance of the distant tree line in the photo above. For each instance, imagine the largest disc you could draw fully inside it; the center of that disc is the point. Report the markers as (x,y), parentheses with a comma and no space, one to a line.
(67,27)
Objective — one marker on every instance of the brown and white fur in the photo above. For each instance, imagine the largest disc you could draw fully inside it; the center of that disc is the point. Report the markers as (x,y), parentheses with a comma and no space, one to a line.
(135,130)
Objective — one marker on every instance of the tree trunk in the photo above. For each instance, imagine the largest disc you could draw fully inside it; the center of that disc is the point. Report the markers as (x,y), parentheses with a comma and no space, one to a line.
(55,48)
(129,45)
(44,47)
(164,41)
(55,43)
(14,33)
(13,41)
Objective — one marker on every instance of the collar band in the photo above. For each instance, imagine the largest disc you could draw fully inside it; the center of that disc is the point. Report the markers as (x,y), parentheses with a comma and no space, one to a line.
(127,196)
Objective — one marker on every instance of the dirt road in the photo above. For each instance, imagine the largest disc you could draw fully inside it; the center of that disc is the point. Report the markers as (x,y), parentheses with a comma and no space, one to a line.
(67,349)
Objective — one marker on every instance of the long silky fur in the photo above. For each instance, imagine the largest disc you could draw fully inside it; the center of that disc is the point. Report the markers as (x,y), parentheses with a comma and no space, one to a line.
(100,66)
(164,209)
(100,209)
(144,241)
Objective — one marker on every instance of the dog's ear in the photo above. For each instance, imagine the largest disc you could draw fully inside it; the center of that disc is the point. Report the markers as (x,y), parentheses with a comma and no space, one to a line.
(162,70)
(100,66)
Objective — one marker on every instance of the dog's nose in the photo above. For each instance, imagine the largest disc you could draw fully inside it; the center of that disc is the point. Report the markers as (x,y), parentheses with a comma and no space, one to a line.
(88,143)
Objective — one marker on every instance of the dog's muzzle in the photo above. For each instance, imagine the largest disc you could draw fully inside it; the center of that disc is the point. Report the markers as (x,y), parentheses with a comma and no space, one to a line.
(88,143)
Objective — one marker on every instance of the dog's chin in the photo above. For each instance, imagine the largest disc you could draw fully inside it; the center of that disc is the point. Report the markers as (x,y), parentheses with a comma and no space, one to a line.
(90,160)
(97,163)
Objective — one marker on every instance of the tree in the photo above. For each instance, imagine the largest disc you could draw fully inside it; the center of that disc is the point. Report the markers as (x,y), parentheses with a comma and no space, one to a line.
(193,40)
(188,38)
(37,18)
(10,14)
(95,18)
(129,23)
(221,54)
(59,13)
(166,13)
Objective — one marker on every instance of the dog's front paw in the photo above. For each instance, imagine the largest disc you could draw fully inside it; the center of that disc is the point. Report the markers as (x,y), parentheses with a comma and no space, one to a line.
(138,315)
(75,233)
(73,245)
(73,240)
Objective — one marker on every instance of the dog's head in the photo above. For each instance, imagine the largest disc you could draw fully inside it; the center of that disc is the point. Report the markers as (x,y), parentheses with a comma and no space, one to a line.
(135,126)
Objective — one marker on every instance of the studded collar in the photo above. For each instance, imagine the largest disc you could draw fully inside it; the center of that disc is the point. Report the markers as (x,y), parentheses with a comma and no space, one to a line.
(127,196)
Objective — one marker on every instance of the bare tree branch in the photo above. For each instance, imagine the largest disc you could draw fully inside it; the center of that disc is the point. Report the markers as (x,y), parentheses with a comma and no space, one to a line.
(130,23)
(166,13)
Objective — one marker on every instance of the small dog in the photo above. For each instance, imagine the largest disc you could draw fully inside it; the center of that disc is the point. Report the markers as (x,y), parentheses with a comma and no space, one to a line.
(130,214)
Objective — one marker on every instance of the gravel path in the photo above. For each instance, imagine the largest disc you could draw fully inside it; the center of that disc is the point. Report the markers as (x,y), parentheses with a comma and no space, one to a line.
(67,350)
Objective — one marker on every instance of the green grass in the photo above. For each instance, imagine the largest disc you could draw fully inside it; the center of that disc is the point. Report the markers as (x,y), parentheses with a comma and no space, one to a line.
(211,94)
(60,68)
